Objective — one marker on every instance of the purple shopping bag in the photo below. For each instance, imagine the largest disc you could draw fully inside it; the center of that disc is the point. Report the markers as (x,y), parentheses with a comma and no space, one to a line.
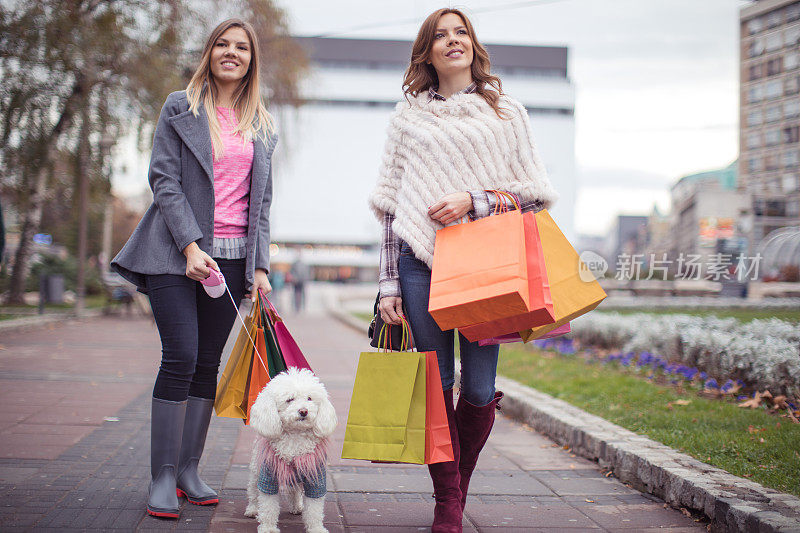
(292,355)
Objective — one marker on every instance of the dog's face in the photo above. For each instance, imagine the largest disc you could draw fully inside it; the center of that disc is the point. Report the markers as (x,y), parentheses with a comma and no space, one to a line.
(298,408)
(293,401)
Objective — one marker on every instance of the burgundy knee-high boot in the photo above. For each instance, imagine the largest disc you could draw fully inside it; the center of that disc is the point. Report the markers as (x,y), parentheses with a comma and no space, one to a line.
(474,425)
(447,513)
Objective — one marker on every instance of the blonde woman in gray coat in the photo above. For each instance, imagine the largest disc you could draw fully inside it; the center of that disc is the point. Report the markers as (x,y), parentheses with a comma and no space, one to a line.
(211,176)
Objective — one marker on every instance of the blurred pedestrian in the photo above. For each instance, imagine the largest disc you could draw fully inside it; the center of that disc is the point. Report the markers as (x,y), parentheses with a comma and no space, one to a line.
(277,279)
(300,274)
(454,137)
(211,176)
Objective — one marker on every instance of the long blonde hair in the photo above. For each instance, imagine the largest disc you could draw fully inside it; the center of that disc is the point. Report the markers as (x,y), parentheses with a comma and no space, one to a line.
(252,116)
(421,76)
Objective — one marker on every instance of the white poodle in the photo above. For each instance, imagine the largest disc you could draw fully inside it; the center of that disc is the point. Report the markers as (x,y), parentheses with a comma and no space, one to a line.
(294,418)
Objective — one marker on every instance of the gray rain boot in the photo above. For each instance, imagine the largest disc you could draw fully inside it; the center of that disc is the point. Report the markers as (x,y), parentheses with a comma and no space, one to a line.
(198,415)
(165,445)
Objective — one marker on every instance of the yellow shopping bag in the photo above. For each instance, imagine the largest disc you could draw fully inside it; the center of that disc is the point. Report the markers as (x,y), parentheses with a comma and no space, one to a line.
(386,421)
(232,386)
(572,295)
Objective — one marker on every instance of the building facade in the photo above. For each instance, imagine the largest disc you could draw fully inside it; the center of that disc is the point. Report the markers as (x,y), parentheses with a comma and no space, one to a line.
(707,211)
(769,140)
(331,147)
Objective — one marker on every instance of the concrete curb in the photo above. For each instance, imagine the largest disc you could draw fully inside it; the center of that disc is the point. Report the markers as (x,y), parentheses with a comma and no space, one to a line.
(732,503)
(37,321)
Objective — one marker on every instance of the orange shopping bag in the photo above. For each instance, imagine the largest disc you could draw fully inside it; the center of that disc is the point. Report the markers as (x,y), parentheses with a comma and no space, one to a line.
(438,446)
(573,294)
(539,292)
(258,375)
(480,272)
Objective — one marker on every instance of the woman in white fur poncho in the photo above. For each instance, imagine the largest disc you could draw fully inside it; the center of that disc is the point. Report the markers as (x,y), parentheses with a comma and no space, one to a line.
(454,136)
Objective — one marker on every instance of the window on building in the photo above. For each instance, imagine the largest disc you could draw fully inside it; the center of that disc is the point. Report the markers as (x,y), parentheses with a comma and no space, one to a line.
(755,71)
(792,208)
(755,93)
(791,134)
(774,66)
(773,89)
(774,41)
(792,12)
(754,25)
(791,108)
(775,208)
(753,140)
(773,113)
(791,85)
(791,183)
(791,158)
(771,162)
(758,206)
(754,164)
(756,47)
(772,137)
(774,19)
(754,117)
(791,60)
(791,36)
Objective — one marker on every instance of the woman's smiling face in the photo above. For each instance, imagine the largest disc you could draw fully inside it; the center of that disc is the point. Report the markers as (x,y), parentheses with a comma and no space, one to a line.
(230,56)
(452,47)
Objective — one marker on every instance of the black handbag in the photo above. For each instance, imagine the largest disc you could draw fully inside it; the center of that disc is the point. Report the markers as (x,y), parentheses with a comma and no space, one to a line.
(394,334)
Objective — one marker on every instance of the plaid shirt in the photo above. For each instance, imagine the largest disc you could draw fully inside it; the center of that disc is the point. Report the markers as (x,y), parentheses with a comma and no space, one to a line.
(482,202)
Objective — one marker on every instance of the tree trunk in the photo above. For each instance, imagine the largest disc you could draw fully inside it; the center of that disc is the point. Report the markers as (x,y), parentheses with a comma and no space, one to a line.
(83,168)
(32,218)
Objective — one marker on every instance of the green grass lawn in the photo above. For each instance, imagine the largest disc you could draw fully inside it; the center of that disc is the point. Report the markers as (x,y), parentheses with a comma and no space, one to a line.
(717,432)
(745,315)
(366,317)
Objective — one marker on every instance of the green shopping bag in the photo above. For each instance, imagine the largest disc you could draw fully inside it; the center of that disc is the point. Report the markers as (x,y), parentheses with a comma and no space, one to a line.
(386,421)
(275,360)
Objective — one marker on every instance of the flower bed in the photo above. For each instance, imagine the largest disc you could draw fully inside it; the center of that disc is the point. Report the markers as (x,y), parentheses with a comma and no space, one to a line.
(762,354)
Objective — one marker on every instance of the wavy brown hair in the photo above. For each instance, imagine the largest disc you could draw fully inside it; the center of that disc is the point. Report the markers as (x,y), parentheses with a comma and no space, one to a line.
(252,116)
(421,76)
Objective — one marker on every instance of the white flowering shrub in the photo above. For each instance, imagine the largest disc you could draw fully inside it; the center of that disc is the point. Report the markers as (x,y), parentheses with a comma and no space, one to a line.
(765,354)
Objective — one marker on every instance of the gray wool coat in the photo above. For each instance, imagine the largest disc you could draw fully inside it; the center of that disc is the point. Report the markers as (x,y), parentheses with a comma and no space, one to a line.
(181,176)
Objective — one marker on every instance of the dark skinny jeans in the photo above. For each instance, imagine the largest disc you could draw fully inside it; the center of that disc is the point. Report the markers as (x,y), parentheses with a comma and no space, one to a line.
(193,329)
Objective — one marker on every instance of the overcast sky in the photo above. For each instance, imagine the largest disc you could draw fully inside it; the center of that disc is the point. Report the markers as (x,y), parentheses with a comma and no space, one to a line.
(656,81)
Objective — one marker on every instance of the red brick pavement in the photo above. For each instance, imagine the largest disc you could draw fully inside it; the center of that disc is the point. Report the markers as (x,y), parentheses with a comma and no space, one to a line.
(74,439)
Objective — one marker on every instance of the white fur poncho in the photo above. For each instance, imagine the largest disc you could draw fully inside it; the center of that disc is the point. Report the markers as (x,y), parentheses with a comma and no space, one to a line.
(438,147)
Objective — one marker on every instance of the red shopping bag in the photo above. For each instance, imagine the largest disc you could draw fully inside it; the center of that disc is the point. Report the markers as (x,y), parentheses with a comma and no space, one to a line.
(539,291)
(480,273)
(438,446)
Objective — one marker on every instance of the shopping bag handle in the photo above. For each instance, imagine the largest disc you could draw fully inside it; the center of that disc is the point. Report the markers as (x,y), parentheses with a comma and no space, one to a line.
(501,207)
(406,340)
(274,312)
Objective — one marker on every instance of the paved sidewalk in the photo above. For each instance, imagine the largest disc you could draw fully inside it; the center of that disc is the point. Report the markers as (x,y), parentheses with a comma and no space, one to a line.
(74,449)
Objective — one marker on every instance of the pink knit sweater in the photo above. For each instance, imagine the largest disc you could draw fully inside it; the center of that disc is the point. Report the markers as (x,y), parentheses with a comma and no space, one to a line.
(231,180)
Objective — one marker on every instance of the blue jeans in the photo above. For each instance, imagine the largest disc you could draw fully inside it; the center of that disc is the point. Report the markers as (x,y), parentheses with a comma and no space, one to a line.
(478,363)
(193,329)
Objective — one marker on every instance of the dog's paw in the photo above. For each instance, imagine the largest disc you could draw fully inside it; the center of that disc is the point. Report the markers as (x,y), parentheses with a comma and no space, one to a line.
(319,529)
(263,528)
(251,511)
(296,510)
